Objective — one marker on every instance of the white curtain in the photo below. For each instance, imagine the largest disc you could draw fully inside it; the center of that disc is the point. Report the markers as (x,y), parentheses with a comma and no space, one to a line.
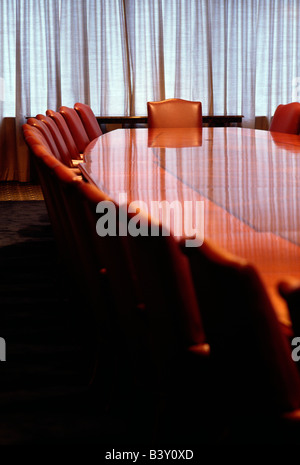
(235,56)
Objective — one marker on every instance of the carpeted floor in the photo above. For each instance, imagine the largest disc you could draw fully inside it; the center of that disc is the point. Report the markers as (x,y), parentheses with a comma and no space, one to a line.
(12,190)
(23,221)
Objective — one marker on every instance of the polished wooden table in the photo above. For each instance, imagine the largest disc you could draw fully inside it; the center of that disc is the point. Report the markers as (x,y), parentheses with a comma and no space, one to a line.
(249,181)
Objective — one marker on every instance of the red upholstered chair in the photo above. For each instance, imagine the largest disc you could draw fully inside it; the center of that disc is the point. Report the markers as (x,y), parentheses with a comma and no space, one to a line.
(255,372)
(174,113)
(45,131)
(76,127)
(54,140)
(58,139)
(33,136)
(66,134)
(89,120)
(286,118)
(164,279)
(178,360)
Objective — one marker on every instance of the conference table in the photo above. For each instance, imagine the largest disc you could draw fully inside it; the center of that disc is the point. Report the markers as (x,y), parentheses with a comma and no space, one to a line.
(243,184)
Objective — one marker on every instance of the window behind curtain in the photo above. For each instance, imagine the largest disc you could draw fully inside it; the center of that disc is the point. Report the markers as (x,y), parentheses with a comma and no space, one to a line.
(236,56)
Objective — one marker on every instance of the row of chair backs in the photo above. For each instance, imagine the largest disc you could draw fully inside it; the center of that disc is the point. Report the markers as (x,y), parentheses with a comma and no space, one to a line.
(78,126)
(179,113)
(155,326)
(68,131)
(65,133)
(53,136)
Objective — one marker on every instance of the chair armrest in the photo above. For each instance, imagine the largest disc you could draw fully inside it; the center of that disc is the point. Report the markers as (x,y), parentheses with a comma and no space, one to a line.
(292,417)
(76,162)
(290,291)
(288,288)
(201,350)
(78,172)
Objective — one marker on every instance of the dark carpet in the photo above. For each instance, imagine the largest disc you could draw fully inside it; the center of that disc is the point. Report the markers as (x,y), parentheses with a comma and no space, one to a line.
(45,396)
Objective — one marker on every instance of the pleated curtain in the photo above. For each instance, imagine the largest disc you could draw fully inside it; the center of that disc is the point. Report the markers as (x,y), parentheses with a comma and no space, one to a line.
(235,56)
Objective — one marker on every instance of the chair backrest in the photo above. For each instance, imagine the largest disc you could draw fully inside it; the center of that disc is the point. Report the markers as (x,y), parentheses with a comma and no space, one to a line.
(89,120)
(287,118)
(251,351)
(172,318)
(45,131)
(65,132)
(111,254)
(174,113)
(76,127)
(110,249)
(33,136)
(58,139)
